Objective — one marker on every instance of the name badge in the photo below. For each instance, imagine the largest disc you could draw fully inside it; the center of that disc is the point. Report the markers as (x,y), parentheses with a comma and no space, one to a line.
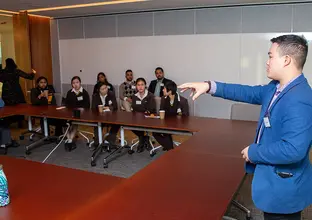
(80,98)
(110,102)
(266,122)
(138,102)
(133,87)
(179,110)
(161,84)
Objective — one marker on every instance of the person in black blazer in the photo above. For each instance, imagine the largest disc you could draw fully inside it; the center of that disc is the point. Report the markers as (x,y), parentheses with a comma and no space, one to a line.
(108,100)
(156,86)
(40,97)
(101,78)
(174,105)
(143,101)
(77,97)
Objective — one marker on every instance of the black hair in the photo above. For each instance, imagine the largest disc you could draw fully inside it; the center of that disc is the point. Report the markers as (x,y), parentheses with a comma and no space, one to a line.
(141,79)
(128,71)
(294,46)
(100,84)
(10,64)
(159,68)
(171,86)
(40,78)
(75,77)
(101,74)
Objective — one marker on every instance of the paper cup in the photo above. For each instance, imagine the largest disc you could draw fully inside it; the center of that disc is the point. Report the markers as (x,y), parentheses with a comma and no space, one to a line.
(46,93)
(162,114)
(100,108)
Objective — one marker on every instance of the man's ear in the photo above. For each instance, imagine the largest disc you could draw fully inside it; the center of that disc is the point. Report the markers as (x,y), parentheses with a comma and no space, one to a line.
(287,60)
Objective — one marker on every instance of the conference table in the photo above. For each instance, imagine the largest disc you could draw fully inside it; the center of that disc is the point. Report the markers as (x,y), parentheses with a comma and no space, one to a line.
(197,180)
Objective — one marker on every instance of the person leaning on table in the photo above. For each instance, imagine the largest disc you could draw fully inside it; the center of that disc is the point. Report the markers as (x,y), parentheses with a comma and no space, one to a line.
(279,156)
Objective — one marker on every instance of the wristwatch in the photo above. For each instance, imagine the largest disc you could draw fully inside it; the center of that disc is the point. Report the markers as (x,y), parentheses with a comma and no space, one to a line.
(209,83)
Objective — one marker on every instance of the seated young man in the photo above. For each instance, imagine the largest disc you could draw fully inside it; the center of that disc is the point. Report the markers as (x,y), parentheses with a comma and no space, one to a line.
(42,95)
(174,105)
(106,98)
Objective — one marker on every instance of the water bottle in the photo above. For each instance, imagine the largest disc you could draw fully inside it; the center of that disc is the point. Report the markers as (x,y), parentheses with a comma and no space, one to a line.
(4,193)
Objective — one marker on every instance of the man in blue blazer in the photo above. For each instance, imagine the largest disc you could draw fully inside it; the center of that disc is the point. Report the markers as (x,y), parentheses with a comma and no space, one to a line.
(279,156)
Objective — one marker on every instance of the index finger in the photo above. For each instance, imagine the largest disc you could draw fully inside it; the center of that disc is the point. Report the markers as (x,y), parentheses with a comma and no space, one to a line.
(185,85)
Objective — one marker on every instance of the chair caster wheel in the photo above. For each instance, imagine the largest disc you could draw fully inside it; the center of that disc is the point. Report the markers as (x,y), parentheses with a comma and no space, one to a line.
(93,164)
(21,137)
(105,165)
(153,154)
(130,152)
(27,152)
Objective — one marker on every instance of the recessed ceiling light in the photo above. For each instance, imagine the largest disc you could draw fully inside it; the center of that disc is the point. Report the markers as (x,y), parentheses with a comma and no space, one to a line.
(8,12)
(86,5)
(6,15)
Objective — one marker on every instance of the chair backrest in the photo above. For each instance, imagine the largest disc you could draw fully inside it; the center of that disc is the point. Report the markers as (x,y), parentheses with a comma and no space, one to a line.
(158,101)
(245,112)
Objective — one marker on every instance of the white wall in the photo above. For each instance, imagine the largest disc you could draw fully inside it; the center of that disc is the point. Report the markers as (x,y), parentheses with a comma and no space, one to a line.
(237,58)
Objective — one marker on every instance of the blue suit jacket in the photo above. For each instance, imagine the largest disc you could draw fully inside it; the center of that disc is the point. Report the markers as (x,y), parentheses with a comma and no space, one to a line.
(283,147)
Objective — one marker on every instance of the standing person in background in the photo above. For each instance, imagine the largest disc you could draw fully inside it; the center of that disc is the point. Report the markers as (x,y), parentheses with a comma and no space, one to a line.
(174,105)
(143,101)
(77,97)
(279,156)
(101,78)
(12,92)
(108,100)
(156,86)
(127,90)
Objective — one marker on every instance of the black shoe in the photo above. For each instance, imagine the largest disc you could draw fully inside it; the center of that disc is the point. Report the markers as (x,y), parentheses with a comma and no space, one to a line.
(70,146)
(13,144)
(141,146)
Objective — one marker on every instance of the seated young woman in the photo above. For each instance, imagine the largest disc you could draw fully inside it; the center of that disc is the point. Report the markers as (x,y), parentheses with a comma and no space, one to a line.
(143,101)
(174,105)
(77,97)
(108,100)
(101,78)
(42,95)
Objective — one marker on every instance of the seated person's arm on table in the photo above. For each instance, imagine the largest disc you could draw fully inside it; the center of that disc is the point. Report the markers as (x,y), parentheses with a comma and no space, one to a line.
(37,98)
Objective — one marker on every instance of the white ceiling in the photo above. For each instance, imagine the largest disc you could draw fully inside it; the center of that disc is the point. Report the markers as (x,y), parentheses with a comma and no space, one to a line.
(16,5)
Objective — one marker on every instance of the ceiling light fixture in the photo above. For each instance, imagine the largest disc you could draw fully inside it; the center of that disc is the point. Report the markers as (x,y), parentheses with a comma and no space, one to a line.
(6,15)
(8,12)
(86,5)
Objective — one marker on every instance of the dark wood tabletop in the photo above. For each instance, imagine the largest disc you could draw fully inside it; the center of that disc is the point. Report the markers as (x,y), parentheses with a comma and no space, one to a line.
(177,186)
(43,191)
(197,180)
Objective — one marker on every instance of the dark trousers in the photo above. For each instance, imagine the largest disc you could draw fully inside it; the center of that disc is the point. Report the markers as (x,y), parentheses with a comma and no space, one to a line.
(294,216)
(112,133)
(58,123)
(164,140)
(139,133)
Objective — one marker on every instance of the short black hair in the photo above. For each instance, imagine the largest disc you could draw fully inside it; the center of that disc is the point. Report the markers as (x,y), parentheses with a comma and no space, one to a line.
(40,78)
(294,46)
(159,68)
(141,79)
(102,84)
(128,71)
(171,86)
(76,77)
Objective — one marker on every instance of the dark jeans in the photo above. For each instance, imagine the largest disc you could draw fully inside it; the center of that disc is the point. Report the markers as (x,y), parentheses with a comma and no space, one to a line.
(165,140)
(112,133)
(58,123)
(294,216)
